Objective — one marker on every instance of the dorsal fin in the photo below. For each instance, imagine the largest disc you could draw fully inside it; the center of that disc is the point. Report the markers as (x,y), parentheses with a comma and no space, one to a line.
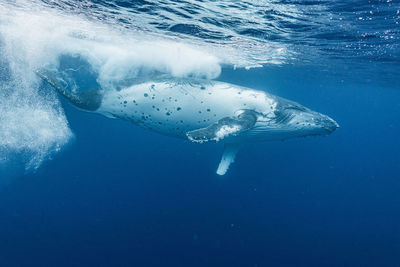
(89,100)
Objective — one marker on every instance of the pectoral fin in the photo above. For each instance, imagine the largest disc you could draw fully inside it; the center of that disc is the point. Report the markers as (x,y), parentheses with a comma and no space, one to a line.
(225,127)
(228,157)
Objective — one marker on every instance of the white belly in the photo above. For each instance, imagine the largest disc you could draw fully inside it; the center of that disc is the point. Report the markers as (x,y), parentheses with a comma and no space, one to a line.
(176,107)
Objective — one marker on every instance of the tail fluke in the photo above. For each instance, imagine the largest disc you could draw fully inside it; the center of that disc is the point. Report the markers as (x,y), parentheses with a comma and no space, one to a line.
(89,100)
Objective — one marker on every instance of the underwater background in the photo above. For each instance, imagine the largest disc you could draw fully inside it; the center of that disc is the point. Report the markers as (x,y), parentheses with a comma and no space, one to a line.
(78,189)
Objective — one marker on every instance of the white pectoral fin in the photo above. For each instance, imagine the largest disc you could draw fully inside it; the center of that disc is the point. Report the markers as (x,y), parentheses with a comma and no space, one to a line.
(228,157)
(224,129)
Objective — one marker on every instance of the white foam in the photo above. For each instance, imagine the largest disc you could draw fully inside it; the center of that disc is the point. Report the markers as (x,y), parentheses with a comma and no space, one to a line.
(115,53)
(35,131)
(32,124)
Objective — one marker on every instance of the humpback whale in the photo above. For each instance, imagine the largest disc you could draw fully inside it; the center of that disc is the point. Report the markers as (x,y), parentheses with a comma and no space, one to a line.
(199,111)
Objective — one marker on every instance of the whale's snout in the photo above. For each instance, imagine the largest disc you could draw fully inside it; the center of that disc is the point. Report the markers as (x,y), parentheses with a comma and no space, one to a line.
(313,123)
(325,123)
(301,121)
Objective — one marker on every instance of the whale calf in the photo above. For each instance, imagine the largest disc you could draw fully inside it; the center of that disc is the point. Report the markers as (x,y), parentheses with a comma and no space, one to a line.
(199,111)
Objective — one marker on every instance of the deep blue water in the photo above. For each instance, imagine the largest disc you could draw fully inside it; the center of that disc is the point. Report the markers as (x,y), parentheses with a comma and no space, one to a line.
(79,189)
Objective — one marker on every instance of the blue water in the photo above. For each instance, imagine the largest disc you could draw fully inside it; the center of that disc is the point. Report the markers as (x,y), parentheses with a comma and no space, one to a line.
(78,189)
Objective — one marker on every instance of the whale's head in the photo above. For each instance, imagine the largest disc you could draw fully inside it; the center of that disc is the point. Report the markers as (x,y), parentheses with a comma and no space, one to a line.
(290,119)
